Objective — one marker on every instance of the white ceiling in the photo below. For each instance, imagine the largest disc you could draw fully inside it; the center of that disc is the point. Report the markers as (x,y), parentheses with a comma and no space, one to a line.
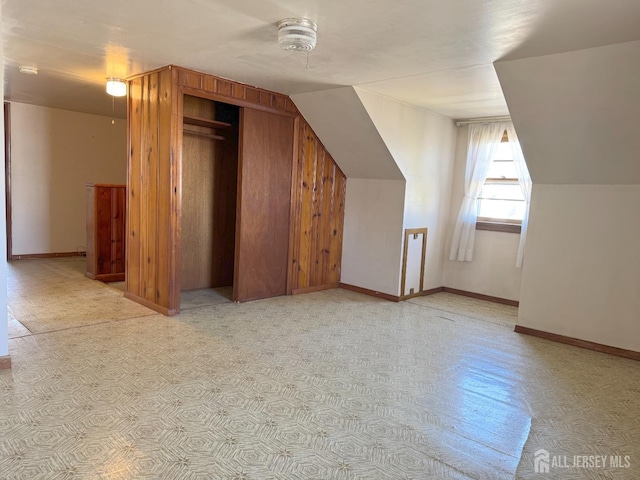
(434,54)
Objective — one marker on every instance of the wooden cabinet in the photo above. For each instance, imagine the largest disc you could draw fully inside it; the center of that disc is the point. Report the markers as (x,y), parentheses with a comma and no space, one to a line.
(106,207)
(248,197)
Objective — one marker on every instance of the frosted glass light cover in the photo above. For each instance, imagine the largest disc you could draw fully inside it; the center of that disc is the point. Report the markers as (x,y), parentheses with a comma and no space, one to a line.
(299,34)
(116,87)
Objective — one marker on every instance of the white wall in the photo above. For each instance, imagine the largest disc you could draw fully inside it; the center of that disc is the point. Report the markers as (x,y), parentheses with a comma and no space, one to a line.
(422,143)
(577,119)
(582,272)
(577,114)
(340,120)
(372,242)
(493,270)
(54,153)
(4,317)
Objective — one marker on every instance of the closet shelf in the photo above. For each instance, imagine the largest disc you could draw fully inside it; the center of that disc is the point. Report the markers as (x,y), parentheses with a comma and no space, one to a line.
(203,134)
(203,122)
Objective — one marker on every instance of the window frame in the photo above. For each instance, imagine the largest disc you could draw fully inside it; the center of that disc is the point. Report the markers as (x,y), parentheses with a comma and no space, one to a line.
(500,225)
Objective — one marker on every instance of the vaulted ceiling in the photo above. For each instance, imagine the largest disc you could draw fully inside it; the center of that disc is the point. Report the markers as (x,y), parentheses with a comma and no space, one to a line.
(437,55)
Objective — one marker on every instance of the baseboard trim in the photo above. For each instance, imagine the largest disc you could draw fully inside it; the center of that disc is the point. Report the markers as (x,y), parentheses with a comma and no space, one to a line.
(5,362)
(423,293)
(598,347)
(480,296)
(372,293)
(431,291)
(153,306)
(317,288)
(24,256)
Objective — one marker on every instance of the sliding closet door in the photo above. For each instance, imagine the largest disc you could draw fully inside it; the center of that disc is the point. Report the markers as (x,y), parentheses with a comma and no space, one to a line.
(264,198)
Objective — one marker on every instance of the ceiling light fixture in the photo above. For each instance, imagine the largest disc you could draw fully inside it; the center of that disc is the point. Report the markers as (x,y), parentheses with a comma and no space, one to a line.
(116,87)
(297,34)
(28,69)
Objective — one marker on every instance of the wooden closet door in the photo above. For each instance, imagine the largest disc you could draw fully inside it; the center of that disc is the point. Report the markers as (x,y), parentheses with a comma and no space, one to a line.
(264,199)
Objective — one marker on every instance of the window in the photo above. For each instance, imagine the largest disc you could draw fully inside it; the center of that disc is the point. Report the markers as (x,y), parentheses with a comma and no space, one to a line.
(501,203)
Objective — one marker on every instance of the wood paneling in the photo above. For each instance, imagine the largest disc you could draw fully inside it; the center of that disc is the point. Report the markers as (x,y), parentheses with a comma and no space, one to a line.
(318,195)
(198,173)
(264,201)
(225,193)
(153,187)
(169,203)
(291,207)
(236,93)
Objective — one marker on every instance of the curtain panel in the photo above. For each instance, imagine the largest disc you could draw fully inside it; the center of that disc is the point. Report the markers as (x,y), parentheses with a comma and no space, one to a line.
(484,139)
(525,185)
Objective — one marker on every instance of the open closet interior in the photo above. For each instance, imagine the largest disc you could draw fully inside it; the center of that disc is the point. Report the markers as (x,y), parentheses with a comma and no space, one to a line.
(209,192)
(227,186)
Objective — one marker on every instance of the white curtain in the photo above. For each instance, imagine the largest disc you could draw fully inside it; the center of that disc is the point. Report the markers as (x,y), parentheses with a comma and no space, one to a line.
(484,139)
(525,185)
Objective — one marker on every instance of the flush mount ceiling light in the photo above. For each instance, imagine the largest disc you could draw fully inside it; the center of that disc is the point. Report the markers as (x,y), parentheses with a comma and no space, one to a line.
(297,34)
(28,69)
(116,87)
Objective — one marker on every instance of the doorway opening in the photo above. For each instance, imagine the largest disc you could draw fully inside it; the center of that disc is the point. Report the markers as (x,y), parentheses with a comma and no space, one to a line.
(209,192)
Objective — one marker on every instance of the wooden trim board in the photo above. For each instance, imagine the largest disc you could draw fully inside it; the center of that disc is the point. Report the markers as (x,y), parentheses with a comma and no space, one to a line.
(432,291)
(373,293)
(598,347)
(480,296)
(499,227)
(24,256)
(199,92)
(424,293)
(317,288)
(5,362)
(415,232)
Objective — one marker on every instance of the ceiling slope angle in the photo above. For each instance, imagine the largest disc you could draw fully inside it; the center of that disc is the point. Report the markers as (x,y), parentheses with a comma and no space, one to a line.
(339,118)
(577,114)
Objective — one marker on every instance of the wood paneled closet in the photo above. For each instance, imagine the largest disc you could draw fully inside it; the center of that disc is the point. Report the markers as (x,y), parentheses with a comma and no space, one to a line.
(228,186)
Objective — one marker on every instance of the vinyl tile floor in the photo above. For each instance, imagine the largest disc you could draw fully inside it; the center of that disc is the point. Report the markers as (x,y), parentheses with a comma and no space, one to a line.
(328,385)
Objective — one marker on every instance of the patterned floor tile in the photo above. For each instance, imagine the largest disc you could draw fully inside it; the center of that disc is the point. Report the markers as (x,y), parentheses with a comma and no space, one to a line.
(329,385)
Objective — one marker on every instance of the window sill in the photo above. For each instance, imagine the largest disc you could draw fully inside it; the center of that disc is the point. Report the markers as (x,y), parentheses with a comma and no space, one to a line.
(499,227)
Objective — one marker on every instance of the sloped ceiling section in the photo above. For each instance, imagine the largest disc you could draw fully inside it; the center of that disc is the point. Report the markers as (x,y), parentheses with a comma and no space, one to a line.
(577,114)
(346,130)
